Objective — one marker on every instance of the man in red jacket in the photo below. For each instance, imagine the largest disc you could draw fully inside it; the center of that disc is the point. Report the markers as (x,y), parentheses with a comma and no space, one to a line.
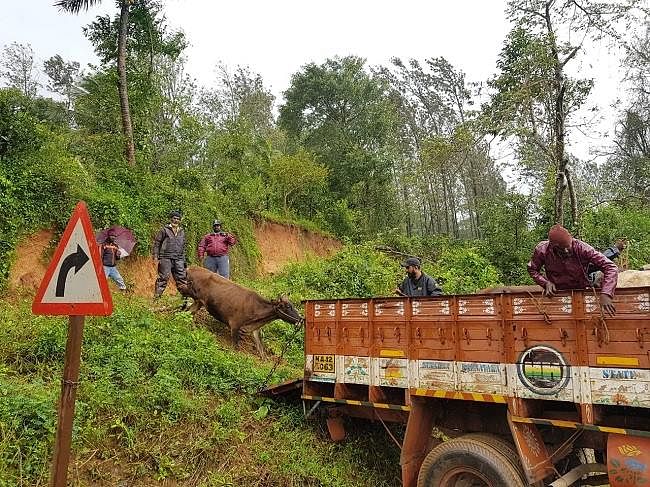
(214,247)
(565,261)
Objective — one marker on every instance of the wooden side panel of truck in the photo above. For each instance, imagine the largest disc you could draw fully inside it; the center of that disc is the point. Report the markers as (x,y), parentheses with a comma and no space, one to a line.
(549,375)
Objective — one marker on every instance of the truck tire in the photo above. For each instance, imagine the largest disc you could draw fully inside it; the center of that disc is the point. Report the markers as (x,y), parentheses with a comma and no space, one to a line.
(505,447)
(469,462)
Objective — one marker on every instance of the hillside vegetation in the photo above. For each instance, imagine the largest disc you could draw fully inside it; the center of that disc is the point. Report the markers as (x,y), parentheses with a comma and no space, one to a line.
(163,397)
(390,160)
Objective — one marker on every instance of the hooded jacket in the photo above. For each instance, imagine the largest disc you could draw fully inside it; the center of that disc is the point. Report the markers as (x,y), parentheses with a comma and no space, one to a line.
(168,245)
(570,271)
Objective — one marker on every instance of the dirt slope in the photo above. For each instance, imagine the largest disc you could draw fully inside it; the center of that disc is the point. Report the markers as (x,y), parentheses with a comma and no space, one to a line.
(279,245)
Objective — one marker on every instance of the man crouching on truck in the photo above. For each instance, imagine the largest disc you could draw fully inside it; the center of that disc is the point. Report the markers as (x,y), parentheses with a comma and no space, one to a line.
(417,283)
(565,261)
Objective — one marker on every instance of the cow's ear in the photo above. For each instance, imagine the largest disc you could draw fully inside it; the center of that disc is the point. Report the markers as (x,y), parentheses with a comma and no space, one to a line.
(284,299)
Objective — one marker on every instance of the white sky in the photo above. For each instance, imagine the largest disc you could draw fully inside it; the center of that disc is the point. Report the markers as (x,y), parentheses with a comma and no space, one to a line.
(275,38)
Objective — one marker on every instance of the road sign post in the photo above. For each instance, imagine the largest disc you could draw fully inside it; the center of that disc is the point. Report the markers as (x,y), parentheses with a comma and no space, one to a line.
(74,285)
(69,385)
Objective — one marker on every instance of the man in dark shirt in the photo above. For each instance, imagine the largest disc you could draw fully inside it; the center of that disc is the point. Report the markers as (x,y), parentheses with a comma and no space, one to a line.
(417,283)
(169,253)
(614,252)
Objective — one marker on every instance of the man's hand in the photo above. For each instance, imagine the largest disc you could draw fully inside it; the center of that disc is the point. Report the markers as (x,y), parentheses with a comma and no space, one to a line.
(607,304)
(549,289)
(399,292)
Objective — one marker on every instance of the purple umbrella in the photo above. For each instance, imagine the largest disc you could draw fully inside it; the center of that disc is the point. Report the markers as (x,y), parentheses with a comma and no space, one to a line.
(123,237)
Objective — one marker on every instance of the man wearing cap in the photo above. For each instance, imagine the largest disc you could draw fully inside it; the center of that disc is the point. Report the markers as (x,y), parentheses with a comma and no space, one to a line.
(214,247)
(417,283)
(169,252)
(566,261)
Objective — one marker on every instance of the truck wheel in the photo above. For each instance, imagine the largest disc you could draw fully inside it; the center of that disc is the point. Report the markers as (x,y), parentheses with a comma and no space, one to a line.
(505,447)
(468,462)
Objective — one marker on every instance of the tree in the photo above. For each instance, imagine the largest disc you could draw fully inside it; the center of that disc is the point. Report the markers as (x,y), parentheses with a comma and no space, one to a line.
(443,166)
(295,175)
(17,64)
(75,6)
(240,97)
(629,162)
(62,76)
(159,91)
(345,117)
(534,98)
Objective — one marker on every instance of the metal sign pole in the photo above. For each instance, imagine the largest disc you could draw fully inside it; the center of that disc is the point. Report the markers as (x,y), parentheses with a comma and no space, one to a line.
(59,474)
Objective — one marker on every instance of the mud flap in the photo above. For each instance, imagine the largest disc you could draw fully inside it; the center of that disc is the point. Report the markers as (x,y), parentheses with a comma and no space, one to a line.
(335,424)
(532,451)
(628,460)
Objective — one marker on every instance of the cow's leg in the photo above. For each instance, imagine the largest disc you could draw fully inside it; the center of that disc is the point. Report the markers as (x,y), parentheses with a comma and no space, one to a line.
(235,335)
(196,305)
(258,343)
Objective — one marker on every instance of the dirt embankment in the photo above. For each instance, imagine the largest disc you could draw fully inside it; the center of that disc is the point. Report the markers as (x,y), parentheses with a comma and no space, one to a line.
(282,244)
(279,245)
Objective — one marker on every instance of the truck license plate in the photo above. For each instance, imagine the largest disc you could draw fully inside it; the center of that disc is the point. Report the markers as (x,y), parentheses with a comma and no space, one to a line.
(324,363)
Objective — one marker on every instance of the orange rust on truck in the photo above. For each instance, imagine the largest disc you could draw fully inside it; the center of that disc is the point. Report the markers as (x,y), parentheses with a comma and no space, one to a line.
(545,375)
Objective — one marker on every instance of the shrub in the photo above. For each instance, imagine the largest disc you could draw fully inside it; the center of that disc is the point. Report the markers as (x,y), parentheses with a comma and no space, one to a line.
(463,270)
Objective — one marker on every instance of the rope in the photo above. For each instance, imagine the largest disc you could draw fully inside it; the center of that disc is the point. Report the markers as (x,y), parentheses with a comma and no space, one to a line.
(540,308)
(284,350)
(390,433)
(601,321)
(625,257)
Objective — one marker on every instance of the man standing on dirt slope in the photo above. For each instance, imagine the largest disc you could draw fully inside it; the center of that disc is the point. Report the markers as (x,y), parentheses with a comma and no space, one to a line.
(111,253)
(566,261)
(417,283)
(214,247)
(169,253)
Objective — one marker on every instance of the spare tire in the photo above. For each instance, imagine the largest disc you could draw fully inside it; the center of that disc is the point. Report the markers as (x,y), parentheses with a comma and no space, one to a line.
(469,462)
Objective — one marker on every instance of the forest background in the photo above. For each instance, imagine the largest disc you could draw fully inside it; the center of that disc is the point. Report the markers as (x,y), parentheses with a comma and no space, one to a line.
(399,157)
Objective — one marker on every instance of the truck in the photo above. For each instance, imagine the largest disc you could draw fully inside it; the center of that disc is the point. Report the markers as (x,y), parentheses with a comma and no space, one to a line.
(524,389)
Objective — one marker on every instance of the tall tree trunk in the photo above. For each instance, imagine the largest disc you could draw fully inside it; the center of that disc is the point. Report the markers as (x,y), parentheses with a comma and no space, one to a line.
(445,199)
(127,127)
(558,118)
(572,197)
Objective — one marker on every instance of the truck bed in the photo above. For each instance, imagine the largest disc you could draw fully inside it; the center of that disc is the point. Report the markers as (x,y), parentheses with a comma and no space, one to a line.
(500,348)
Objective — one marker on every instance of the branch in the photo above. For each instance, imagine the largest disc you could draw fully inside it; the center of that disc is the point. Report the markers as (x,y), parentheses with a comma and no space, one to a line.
(389,250)
(573,52)
(530,11)
(621,200)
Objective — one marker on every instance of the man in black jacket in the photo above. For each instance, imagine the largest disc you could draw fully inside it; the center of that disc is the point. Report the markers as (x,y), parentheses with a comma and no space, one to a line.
(169,253)
(417,283)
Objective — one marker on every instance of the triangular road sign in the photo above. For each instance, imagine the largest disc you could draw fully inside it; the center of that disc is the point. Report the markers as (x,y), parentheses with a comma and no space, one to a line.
(75,283)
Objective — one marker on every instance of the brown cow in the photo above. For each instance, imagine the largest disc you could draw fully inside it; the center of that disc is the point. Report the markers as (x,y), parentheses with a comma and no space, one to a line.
(242,309)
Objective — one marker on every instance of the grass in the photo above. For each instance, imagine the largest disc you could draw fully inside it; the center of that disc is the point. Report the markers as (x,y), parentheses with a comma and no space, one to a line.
(166,399)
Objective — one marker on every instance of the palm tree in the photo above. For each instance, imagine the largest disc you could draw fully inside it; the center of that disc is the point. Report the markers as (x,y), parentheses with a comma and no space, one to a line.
(74,6)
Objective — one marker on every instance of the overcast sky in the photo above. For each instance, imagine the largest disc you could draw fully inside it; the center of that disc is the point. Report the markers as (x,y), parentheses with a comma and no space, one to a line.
(275,38)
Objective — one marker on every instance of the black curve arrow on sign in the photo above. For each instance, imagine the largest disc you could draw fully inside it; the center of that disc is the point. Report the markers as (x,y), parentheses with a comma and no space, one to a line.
(76,260)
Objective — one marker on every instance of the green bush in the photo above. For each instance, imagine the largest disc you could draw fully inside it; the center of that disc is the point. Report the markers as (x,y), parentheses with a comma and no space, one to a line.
(463,270)
(602,227)
(355,271)
(28,424)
